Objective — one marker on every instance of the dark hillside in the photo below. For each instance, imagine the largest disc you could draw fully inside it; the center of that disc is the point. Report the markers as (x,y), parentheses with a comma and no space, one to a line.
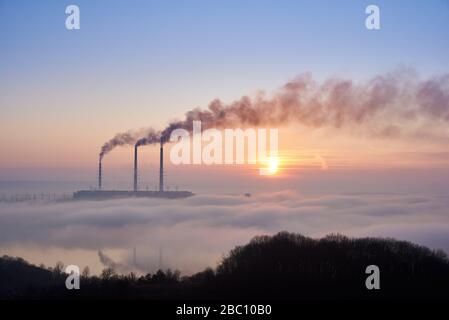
(283,266)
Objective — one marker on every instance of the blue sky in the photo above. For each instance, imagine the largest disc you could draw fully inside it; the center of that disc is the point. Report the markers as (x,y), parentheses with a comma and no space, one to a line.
(245,44)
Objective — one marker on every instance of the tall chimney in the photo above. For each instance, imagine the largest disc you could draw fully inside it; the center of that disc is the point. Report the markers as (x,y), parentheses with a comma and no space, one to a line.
(161,169)
(99,174)
(135,168)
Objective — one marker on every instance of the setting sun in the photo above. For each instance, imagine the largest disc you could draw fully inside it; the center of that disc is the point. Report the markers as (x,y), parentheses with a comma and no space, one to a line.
(274,165)
(271,166)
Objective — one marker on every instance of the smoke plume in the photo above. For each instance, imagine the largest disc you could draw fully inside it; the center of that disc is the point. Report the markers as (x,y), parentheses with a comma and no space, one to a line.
(391,99)
(107,262)
(123,139)
(150,137)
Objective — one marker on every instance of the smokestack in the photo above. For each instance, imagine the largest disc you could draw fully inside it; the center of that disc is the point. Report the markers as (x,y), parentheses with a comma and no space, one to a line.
(135,168)
(161,169)
(99,174)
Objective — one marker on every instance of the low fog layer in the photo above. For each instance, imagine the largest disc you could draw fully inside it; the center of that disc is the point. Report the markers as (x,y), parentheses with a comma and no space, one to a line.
(194,233)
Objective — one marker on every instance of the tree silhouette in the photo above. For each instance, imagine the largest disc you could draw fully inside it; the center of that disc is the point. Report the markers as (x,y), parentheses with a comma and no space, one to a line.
(283,266)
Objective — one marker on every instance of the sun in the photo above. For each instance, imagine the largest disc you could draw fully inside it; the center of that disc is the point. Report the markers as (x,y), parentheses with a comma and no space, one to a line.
(270,166)
(273,163)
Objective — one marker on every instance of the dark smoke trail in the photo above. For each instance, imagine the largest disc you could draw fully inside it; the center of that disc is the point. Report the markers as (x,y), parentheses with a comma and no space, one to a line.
(397,96)
(106,261)
(390,99)
(123,139)
(109,263)
(120,139)
(151,137)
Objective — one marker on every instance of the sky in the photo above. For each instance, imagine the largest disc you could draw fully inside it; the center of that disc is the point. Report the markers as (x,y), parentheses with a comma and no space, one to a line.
(135,64)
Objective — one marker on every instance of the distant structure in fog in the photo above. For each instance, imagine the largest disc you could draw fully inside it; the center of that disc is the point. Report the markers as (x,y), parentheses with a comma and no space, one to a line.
(101,194)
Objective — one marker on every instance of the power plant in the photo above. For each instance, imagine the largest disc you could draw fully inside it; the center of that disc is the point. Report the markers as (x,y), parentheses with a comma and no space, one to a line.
(101,194)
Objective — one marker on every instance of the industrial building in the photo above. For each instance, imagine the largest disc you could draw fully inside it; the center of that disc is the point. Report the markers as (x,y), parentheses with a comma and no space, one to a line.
(101,194)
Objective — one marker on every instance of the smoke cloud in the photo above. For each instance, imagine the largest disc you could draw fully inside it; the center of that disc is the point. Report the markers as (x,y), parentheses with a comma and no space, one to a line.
(108,262)
(390,99)
(151,137)
(120,139)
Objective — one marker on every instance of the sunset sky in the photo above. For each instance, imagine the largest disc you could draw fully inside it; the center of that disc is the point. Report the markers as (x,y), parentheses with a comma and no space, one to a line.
(144,63)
